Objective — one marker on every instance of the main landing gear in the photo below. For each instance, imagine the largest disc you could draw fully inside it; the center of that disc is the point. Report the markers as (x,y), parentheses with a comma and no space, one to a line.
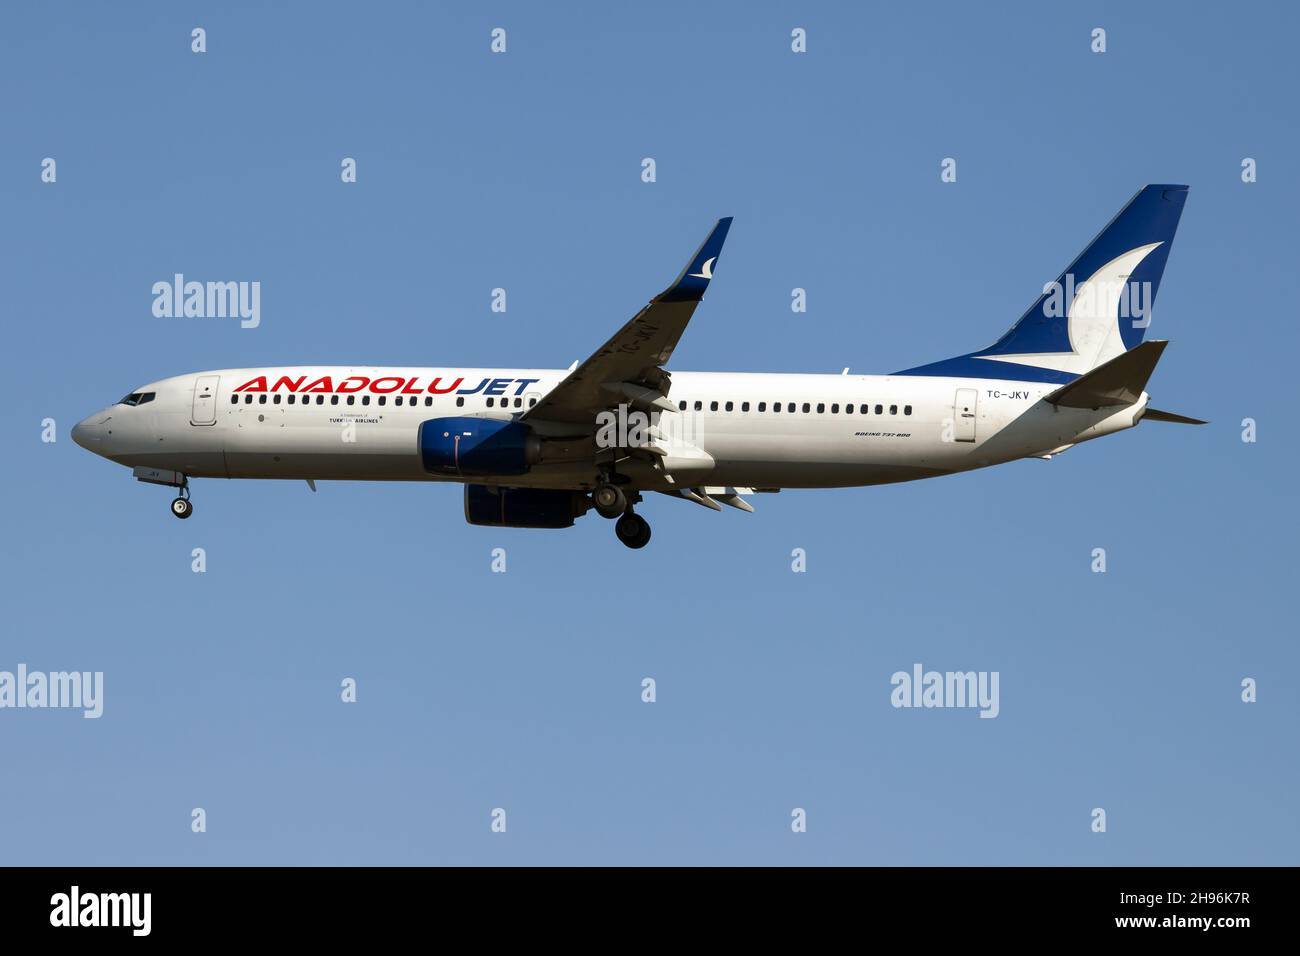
(632,530)
(611,501)
(181,506)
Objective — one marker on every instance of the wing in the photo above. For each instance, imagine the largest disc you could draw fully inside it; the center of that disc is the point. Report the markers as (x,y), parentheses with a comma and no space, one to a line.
(628,368)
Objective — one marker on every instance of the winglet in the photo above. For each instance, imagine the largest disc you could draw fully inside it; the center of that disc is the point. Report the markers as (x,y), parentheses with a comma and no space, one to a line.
(694,279)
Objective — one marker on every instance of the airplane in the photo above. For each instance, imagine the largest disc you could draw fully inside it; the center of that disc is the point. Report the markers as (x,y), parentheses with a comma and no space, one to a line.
(538,448)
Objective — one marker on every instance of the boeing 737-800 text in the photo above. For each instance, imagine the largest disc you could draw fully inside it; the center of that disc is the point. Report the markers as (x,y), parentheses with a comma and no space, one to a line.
(537,448)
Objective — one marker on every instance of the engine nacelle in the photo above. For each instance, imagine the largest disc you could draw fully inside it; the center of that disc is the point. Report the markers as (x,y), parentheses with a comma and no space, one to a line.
(477,446)
(523,507)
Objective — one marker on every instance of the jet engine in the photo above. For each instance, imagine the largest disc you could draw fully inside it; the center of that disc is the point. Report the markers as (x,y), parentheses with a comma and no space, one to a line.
(523,507)
(477,446)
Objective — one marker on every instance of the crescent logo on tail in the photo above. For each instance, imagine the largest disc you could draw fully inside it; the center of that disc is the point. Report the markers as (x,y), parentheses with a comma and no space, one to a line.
(706,270)
(1093,319)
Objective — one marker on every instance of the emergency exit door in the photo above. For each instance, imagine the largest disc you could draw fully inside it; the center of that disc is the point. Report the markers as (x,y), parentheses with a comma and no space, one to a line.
(963,414)
(205,400)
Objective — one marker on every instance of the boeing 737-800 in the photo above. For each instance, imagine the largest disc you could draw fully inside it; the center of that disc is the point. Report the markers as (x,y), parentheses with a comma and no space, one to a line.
(537,448)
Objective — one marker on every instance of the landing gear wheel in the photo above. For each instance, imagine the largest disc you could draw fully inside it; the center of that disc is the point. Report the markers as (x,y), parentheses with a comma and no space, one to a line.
(633,530)
(182,508)
(609,500)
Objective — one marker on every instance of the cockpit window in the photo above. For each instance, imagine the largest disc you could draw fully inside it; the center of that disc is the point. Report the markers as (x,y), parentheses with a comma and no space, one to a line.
(137,398)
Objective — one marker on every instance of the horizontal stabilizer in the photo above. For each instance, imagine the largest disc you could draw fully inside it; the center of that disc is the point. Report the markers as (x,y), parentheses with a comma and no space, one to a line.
(1121,381)
(1156,415)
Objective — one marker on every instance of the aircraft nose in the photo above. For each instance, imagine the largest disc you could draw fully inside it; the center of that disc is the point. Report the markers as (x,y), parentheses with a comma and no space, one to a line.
(89,434)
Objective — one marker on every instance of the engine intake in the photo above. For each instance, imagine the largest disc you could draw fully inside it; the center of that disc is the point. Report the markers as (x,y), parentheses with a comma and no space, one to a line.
(523,507)
(477,446)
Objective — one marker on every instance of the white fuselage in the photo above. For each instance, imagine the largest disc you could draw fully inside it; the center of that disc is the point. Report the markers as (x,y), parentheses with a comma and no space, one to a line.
(213,425)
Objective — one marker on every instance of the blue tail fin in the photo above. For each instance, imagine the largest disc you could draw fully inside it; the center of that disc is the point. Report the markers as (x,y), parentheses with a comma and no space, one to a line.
(1097,309)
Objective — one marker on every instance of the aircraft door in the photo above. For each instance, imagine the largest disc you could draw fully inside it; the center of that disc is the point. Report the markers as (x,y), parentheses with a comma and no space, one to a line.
(963,414)
(205,400)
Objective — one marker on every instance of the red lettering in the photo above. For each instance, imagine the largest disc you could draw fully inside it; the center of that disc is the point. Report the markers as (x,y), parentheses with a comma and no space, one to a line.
(433,387)
(291,383)
(410,388)
(256,385)
(322,384)
(353,378)
(397,383)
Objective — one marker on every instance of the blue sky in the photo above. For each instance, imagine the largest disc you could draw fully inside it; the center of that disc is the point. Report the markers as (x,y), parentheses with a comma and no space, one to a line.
(522,690)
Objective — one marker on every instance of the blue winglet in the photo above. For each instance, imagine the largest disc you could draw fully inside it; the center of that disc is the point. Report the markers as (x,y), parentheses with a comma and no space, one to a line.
(694,279)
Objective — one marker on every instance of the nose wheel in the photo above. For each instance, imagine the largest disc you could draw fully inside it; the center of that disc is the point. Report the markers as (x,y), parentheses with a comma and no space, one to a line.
(181,506)
(632,530)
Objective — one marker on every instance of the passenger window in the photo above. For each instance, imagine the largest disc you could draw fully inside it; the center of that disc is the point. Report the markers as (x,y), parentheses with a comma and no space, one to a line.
(248,399)
(428,400)
(334,399)
(848,409)
(460,401)
(880,409)
(261,399)
(907,409)
(762,406)
(699,406)
(234,399)
(806,408)
(490,402)
(352,399)
(519,403)
(396,401)
(893,409)
(532,402)
(276,400)
(790,407)
(383,399)
(681,406)
(776,406)
(730,406)
(365,399)
(821,408)
(713,406)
